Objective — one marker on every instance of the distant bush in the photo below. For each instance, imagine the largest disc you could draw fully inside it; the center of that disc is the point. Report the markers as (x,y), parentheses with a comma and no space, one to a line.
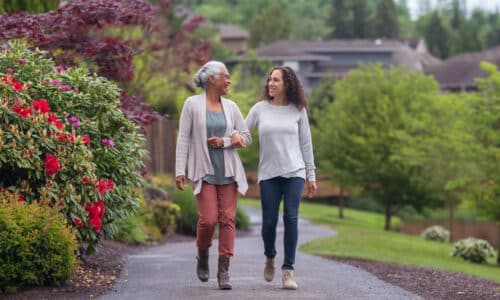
(242,219)
(189,216)
(166,215)
(472,249)
(37,247)
(436,233)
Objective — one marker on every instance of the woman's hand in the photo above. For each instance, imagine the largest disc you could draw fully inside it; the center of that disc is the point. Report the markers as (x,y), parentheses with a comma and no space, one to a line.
(216,142)
(237,141)
(312,187)
(180,182)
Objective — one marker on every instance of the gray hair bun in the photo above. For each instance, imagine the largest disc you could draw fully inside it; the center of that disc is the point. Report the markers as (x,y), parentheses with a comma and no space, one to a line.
(211,68)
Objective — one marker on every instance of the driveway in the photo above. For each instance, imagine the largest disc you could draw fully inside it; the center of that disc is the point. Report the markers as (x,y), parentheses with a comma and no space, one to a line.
(169,272)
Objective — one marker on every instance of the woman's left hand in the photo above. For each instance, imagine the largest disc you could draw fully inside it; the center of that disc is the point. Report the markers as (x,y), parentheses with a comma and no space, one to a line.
(216,142)
(312,187)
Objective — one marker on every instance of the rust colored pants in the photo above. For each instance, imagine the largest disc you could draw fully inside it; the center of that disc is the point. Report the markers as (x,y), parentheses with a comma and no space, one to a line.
(216,204)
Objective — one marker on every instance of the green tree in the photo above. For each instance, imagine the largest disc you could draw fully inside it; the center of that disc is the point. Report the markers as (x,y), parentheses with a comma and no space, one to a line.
(359,135)
(441,145)
(271,25)
(485,116)
(31,6)
(386,20)
(437,36)
(362,19)
(341,20)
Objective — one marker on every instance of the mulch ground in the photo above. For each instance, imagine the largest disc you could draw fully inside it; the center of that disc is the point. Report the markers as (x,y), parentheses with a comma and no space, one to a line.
(98,274)
(430,283)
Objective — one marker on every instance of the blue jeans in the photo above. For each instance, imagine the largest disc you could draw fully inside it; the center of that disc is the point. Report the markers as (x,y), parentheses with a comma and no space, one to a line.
(271,192)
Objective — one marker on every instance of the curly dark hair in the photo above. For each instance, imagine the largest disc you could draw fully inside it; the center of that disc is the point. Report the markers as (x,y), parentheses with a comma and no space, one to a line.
(294,93)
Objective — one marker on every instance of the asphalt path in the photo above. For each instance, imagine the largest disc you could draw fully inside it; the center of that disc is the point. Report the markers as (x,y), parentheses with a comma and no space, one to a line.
(169,272)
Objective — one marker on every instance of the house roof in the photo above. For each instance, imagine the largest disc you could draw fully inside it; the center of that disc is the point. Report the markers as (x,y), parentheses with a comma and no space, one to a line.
(229,31)
(460,71)
(302,47)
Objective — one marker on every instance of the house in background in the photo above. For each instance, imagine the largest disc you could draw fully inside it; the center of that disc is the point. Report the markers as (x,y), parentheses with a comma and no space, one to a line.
(230,36)
(233,37)
(314,60)
(458,73)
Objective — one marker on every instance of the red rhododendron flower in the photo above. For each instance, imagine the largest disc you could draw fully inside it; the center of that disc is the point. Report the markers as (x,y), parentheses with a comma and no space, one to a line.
(95,209)
(59,124)
(61,136)
(85,179)
(96,212)
(18,109)
(26,112)
(20,198)
(52,119)
(104,185)
(17,86)
(78,222)
(96,223)
(41,106)
(51,164)
(86,140)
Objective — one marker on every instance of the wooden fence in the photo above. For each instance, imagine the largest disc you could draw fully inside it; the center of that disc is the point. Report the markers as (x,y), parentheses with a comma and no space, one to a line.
(160,142)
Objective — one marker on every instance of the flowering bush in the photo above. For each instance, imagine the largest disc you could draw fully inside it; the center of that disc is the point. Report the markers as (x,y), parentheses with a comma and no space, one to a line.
(472,249)
(436,233)
(65,142)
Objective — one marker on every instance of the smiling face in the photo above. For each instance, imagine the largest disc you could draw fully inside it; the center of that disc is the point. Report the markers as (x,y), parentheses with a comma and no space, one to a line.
(275,84)
(222,82)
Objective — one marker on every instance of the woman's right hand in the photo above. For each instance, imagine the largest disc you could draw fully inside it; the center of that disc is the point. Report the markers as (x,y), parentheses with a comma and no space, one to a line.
(237,141)
(180,182)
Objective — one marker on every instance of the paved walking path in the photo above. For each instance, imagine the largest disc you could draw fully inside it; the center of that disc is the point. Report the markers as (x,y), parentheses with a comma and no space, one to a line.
(168,272)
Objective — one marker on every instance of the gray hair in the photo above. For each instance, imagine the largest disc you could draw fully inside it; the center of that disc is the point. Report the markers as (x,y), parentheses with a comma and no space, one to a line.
(211,68)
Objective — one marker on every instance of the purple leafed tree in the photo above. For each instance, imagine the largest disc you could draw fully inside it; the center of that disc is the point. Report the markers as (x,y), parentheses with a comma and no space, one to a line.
(76,31)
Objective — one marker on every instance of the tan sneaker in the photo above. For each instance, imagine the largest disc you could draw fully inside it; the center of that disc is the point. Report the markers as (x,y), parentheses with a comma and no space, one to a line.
(269,269)
(288,281)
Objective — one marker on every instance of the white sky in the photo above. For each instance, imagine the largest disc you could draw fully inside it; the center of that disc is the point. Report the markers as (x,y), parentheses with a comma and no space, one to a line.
(490,5)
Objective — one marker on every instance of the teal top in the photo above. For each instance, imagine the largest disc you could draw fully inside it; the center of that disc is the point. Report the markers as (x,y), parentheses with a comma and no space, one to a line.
(216,126)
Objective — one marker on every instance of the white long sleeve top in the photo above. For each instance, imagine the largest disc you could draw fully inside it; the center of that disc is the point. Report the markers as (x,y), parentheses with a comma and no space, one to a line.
(285,141)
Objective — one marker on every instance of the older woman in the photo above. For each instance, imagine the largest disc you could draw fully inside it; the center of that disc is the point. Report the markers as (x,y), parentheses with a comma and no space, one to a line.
(214,168)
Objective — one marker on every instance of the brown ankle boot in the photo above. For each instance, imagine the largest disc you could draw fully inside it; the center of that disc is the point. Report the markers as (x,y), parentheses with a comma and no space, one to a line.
(202,266)
(223,274)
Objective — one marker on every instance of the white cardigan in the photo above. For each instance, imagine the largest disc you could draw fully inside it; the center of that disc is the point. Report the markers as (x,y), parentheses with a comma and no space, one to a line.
(192,144)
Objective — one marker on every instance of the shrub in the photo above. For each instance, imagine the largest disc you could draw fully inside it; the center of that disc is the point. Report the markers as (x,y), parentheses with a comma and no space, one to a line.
(166,215)
(65,142)
(189,216)
(36,246)
(472,249)
(242,219)
(436,233)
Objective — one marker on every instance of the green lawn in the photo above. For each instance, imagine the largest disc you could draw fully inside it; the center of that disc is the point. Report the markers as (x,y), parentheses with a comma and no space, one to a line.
(361,235)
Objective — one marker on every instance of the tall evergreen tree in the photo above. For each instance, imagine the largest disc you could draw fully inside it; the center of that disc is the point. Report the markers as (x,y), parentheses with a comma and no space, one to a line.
(362,19)
(271,25)
(437,36)
(386,20)
(457,15)
(341,19)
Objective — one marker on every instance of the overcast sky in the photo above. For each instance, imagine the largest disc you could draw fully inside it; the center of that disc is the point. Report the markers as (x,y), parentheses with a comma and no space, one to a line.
(490,5)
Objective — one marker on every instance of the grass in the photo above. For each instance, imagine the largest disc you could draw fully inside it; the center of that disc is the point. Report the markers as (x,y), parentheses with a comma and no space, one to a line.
(360,235)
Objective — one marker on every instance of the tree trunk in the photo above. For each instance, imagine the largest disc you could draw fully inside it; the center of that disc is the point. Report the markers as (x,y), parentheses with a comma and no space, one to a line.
(387,216)
(451,214)
(341,204)
(498,254)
